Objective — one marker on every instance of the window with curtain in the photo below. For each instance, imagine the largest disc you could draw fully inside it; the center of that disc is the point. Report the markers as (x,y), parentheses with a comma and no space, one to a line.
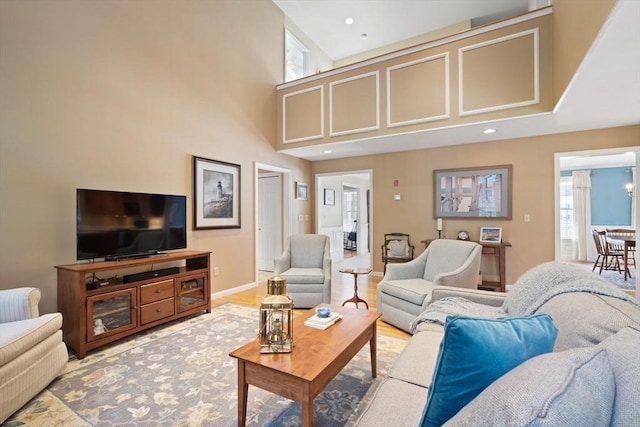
(349,208)
(566,207)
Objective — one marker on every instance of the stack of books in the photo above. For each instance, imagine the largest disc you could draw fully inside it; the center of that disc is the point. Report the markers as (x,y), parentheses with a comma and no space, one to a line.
(322,322)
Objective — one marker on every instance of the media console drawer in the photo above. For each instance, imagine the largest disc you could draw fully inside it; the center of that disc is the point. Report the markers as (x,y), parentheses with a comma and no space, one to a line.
(157,310)
(156,291)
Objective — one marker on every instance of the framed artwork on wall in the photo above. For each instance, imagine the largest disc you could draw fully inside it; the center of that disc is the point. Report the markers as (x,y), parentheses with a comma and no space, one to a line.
(216,194)
(301,190)
(482,192)
(490,234)
(329,197)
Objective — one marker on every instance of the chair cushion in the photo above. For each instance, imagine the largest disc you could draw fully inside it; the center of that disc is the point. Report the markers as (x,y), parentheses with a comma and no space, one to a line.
(474,352)
(398,248)
(446,255)
(411,290)
(570,388)
(304,275)
(18,337)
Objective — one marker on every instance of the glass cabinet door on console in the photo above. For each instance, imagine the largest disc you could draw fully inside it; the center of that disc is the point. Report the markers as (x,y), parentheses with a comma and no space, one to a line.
(111,313)
(190,292)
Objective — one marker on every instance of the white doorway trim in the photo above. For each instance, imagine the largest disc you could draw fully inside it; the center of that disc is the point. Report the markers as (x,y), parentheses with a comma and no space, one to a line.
(363,195)
(556,188)
(287,186)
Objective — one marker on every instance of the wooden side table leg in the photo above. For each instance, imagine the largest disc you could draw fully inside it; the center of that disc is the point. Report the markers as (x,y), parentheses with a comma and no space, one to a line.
(243,389)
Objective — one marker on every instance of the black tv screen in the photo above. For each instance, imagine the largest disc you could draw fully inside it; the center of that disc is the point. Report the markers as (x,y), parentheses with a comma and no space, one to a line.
(116,224)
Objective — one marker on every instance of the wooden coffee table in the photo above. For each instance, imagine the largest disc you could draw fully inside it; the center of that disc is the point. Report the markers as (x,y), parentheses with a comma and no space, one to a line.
(317,357)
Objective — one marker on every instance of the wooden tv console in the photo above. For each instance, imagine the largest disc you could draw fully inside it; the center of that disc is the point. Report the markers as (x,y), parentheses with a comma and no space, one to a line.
(97,309)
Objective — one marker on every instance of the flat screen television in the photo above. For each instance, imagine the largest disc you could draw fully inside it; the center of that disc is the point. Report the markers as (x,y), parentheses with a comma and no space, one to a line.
(117,225)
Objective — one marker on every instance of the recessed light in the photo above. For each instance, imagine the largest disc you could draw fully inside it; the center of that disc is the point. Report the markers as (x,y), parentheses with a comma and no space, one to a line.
(328,151)
(363,36)
(349,21)
(489,130)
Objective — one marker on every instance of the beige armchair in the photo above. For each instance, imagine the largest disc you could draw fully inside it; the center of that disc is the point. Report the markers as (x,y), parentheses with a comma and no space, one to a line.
(306,265)
(405,290)
(32,353)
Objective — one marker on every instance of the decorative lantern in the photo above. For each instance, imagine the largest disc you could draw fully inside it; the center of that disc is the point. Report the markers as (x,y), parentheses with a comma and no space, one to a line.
(276,318)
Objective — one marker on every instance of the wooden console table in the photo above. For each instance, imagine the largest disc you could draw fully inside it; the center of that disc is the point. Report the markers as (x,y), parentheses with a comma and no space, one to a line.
(495,249)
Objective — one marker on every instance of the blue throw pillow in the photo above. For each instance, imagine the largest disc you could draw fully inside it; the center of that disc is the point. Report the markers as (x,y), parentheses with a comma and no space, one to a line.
(475,352)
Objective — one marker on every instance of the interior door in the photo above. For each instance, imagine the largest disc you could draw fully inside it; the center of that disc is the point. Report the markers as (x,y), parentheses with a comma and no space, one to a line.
(269,220)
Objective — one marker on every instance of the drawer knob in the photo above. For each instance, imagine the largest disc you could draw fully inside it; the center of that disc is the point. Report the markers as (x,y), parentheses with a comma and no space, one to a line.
(158,310)
(157,291)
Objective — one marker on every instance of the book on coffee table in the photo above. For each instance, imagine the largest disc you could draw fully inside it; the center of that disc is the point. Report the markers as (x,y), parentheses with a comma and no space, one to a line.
(318,322)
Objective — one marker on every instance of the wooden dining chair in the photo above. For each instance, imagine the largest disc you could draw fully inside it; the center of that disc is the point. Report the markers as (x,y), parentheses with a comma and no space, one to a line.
(618,245)
(608,259)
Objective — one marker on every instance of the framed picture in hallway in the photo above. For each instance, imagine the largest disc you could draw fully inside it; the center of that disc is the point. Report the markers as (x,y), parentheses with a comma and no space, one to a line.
(329,197)
(216,194)
(301,190)
(480,192)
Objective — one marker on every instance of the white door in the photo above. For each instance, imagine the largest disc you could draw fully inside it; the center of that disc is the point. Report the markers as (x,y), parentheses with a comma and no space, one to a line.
(269,220)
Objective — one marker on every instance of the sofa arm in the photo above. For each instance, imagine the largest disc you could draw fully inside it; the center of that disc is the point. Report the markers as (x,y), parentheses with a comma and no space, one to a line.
(495,299)
(19,304)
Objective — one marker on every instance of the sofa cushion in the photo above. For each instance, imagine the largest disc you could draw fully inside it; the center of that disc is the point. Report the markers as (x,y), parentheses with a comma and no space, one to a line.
(396,403)
(571,388)
(18,337)
(585,319)
(623,350)
(418,359)
(545,281)
(303,275)
(411,290)
(483,350)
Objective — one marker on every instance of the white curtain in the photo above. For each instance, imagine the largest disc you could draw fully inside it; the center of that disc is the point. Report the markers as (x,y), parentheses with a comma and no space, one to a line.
(581,214)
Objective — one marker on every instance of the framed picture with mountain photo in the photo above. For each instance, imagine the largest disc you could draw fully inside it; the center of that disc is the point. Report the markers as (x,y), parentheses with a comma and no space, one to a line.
(216,194)
(478,192)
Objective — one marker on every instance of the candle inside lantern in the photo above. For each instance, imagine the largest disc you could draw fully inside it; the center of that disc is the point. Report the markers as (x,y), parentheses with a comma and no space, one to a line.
(439,227)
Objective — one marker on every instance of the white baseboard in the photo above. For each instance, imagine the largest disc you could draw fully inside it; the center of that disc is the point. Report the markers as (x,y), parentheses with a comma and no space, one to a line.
(235,290)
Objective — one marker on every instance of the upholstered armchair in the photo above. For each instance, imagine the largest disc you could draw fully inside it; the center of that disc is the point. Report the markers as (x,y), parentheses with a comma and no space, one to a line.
(306,265)
(405,290)
(32,353)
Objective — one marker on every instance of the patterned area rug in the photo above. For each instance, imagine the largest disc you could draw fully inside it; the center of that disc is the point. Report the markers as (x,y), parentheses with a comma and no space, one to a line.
(181,375)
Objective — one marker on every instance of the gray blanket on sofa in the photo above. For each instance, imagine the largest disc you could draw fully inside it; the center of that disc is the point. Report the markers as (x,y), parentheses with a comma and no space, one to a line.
(530,292)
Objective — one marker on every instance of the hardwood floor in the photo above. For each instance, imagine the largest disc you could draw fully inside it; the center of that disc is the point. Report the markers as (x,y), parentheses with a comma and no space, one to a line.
(342,289)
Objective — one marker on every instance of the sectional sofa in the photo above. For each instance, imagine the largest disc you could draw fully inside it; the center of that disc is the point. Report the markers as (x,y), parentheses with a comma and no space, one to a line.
(590,378)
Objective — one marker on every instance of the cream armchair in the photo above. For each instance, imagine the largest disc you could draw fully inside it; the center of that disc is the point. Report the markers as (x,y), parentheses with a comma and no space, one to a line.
(405,290)
(306,265)
(32,353)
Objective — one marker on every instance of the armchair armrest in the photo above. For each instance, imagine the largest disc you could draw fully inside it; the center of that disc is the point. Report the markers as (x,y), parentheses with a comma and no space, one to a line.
(282,263)
(495,299)
(465,276)
(407,270)
(19,304)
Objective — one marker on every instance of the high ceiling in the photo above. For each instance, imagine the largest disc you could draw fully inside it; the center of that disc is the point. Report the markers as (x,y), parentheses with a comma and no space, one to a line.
(387,21)
(599,96)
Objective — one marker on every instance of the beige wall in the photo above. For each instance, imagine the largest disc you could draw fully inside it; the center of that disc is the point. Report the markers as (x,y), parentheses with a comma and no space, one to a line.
(120,95)
(533,190)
